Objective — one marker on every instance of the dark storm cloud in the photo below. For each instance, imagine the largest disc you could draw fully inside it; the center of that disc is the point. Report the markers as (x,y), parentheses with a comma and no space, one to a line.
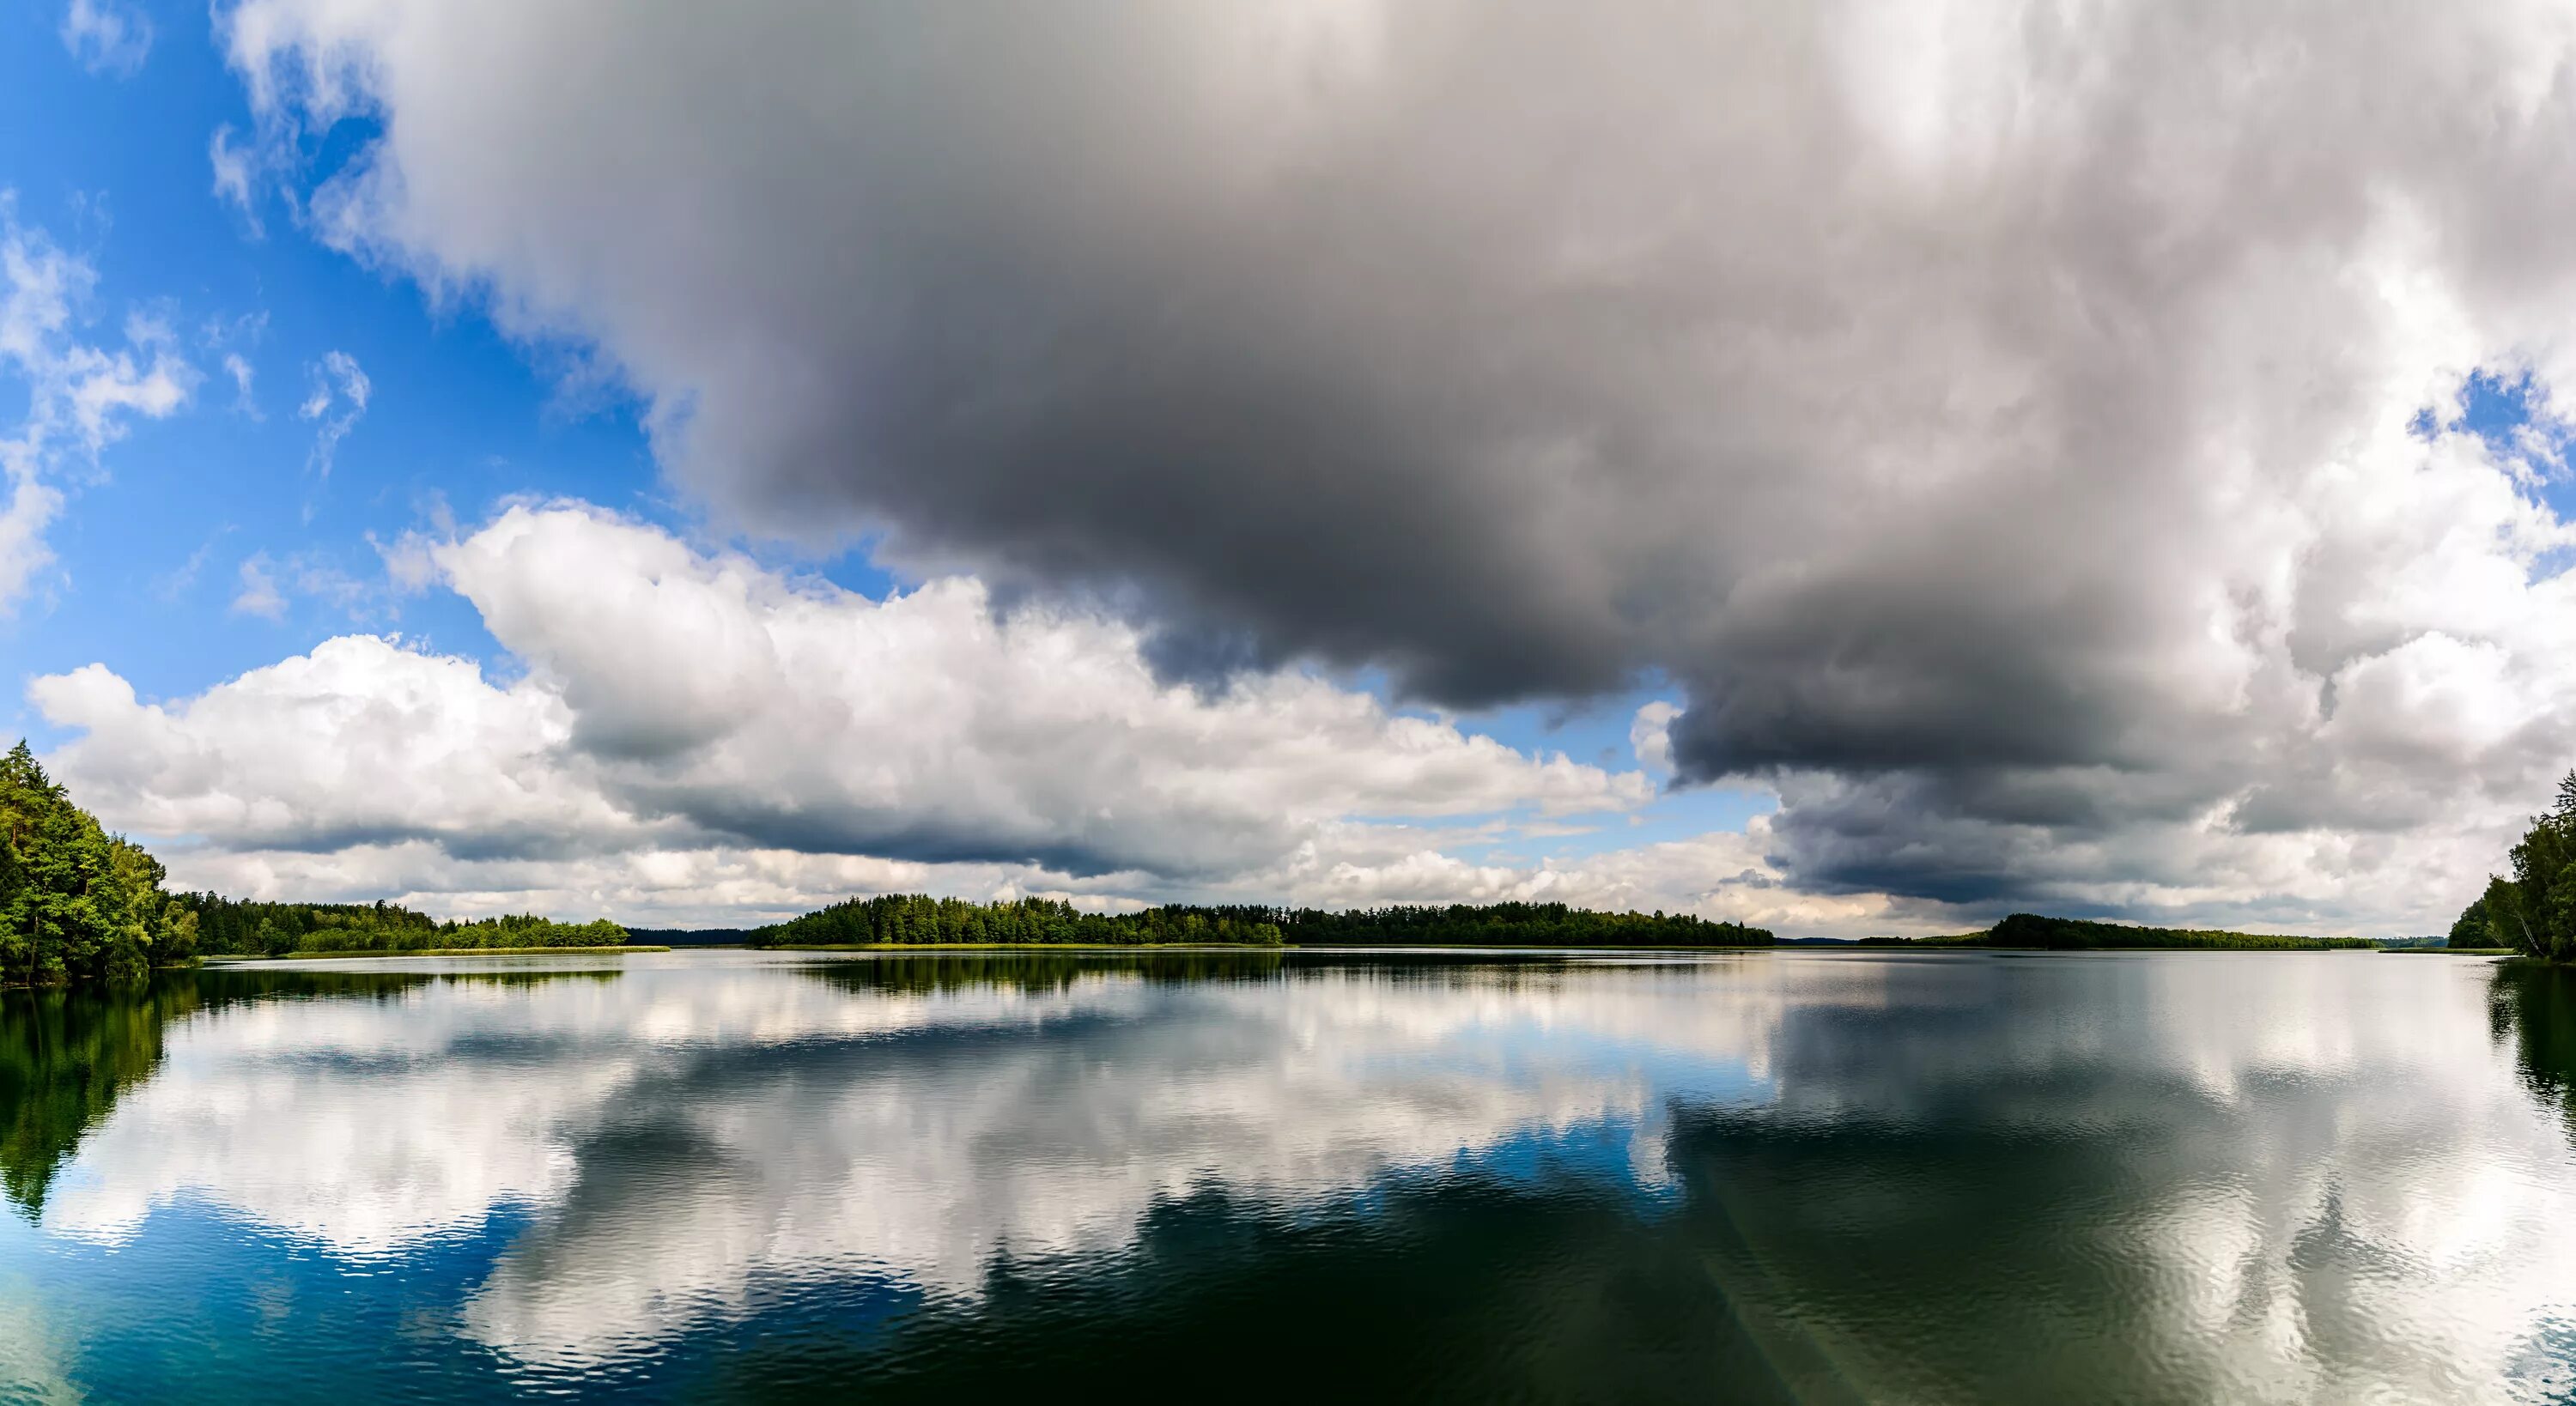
(2010,396)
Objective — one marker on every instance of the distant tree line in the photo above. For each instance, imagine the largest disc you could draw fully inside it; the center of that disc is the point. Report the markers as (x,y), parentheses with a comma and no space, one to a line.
(242,927)
(2079,934)
(2532,911)
(913,919)
(1503,925)
(918,919)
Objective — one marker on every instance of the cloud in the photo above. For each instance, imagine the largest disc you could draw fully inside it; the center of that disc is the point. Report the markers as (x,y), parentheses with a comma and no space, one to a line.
(236,171)
(80,398)
(1650,735)
(179,580)
(232,338)
(107,38)
(680,712)
(2001,423)
(336,401)
(267,583)
(239,368)
(259,594)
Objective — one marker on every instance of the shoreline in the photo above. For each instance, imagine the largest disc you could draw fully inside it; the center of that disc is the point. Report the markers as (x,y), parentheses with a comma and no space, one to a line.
(1854,948)
(2509,956)
(1189,947)
(232,958)
(1004,947)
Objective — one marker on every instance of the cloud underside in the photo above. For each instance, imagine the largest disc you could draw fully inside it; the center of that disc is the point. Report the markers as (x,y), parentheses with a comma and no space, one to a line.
(2000,423)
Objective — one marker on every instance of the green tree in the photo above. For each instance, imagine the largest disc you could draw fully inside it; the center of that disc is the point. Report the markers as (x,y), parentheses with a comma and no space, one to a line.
(2471,928)
(76,903)
(2534,911)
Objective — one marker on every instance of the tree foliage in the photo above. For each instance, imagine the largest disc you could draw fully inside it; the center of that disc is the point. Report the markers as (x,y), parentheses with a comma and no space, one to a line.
(2470,929)
(77,903)
(2534,909)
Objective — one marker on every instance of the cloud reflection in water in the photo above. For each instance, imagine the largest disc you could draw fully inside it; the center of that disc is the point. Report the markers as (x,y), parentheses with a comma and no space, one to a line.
(2274,1178)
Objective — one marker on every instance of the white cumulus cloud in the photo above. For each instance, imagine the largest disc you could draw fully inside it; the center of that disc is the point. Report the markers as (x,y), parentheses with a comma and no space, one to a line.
(694,716)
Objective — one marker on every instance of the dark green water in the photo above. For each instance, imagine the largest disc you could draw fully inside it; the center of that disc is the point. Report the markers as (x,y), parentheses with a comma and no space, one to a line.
(1793,1177)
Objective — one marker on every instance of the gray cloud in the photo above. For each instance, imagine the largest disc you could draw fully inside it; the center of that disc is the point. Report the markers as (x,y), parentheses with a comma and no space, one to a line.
(1993,417)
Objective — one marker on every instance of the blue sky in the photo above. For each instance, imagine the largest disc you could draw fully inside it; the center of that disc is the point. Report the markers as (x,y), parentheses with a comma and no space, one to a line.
(114,169)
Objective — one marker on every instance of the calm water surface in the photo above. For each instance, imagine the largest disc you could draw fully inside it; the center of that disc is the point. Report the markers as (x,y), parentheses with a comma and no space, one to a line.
(1784,1177)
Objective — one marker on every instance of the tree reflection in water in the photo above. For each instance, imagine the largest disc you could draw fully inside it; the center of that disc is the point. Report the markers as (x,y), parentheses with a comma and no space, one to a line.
(68,1054)
(2535,1003)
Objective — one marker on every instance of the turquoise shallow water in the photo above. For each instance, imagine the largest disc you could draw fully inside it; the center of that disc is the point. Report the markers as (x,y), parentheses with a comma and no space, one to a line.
(1798,1177)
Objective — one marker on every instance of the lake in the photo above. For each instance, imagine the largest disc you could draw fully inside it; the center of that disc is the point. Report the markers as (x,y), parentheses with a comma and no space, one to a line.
(1793,1176)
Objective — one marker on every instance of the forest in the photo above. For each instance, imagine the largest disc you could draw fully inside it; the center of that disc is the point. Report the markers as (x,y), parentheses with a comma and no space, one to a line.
(918,919)
(1502,925)
(910,919)
(240,927)
(2532,910)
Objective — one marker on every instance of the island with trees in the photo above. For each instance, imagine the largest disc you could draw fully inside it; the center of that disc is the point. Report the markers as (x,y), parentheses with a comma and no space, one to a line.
(918,920)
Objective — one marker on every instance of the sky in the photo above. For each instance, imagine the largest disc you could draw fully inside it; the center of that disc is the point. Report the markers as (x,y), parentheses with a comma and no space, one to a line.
(1842,468)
